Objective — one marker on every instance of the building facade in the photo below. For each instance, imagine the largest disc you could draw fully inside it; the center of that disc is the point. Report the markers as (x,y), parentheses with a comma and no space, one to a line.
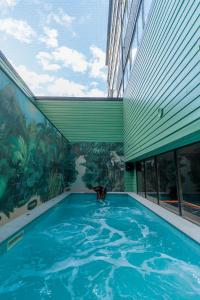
(126,24)
(154,63)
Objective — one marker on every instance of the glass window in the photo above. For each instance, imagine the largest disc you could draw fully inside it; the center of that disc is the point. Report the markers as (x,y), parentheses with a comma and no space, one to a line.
(125,77)
(129,62)
(121,91)
(128,68)
(139,26)
(123,3)
(167,183)
(124,28)
(147,6)
(133,48)
(127,72)
(114,93)
(140,178)
(151,184)
(129,5)
(189,167)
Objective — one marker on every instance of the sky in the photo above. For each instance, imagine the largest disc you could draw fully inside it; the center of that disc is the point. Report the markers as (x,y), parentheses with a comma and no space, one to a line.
(57,46)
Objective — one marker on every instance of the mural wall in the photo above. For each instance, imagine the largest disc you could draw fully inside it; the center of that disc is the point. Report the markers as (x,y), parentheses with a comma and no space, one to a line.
(36,162)
(99,164)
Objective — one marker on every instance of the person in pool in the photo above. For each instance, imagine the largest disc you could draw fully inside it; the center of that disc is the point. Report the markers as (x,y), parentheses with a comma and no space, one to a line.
(101,192)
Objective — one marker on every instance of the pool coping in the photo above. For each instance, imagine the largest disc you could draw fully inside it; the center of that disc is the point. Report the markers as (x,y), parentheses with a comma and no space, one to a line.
(188,228)
(14,226)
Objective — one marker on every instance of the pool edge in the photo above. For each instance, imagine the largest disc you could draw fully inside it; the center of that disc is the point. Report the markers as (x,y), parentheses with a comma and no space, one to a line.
(13,227)
(188,228)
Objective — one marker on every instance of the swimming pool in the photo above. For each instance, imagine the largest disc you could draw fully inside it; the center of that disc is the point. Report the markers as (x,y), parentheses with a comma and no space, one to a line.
(82,249)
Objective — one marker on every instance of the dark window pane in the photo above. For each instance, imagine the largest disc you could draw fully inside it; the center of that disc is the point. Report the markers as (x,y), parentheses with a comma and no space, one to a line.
(140,178)
(151,186)
(167,181)
(189,165)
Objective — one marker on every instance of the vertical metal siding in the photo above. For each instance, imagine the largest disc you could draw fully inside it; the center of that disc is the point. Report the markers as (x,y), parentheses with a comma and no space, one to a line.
(166,76)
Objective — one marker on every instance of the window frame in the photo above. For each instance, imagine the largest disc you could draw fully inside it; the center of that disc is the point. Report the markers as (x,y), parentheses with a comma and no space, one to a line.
(178,180)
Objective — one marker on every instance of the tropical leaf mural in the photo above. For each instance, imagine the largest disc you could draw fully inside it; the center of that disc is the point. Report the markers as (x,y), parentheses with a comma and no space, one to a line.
(37,163)
(103,164)
(35,160)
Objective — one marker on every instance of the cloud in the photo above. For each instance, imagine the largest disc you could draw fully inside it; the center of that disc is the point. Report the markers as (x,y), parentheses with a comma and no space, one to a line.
(19,29)
(50,37)
(94,83)
(60,18)
(84,19)
(43,85)
(44,59)
(95,92)
(9,2)
(75,60)
(6,6)
(97,63)
(34,80)
(71,58)
(64,87)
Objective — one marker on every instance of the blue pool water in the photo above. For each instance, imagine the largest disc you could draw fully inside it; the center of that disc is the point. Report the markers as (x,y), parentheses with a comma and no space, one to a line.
(82,249)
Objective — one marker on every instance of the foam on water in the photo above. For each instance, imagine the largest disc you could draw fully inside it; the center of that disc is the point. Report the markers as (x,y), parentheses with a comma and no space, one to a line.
(86,250)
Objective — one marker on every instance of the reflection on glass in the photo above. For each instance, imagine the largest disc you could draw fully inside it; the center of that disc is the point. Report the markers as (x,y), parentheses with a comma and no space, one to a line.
(147,6)
(129,5)
(134,47)
(140,26)
(125,77)
(121,91)
(189,164)
(140,178)
(167,181)
(150,175)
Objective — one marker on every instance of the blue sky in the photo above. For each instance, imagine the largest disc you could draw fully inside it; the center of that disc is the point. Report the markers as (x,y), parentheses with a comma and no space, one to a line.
(57,46)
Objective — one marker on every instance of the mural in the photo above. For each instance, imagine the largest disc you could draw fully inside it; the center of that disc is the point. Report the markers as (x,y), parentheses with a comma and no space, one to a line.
(36,162)
(99,164)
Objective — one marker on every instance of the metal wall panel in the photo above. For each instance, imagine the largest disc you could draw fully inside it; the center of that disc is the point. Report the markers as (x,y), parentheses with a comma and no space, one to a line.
(86,121)
(162,101)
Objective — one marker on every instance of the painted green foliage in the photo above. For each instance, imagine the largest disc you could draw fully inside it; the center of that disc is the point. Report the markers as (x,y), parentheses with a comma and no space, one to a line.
(37,163)
(34,158)
(104,164)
